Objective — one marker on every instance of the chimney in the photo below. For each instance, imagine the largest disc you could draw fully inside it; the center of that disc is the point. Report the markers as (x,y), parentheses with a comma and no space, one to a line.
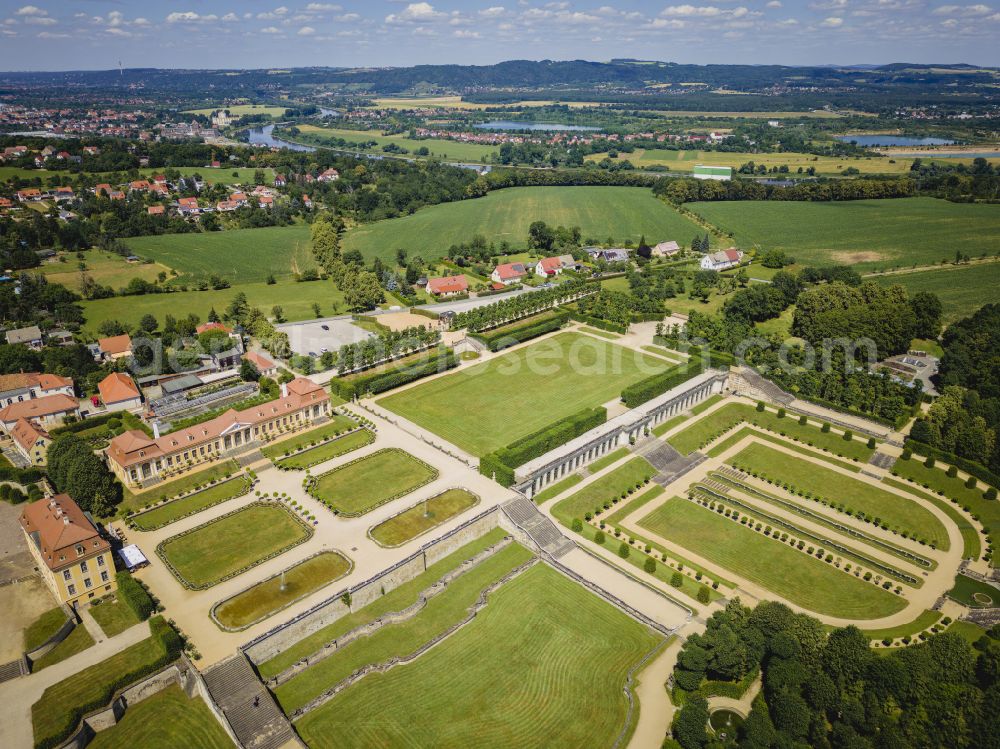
(66,520)
(156,430)
(284,390)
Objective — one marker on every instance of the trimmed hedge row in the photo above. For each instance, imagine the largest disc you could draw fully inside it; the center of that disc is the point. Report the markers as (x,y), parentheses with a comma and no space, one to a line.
(502,462)
(499,340)
(23,476)
(169,641)
(84,424)
(597,322)
(649,388)
(972,468)
(382,381)
(135,596)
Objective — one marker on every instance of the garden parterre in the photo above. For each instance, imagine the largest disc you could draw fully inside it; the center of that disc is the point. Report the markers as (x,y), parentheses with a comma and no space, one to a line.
(350,490)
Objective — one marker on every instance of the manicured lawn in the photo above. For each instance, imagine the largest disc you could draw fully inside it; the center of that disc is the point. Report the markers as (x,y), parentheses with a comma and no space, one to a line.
(339,446)
(40,630)
(856,495)
(114,616)
(602,490)
(167,720)
(222,548)
(618,212)
(926,620)
(363,484)
(601,333)
(396,599)
(971,545)
(606,460)
(975,593)
(61,701)
(776,439)
(968,631)
(77,641)
(337,424)
(267,597)
(179,508)
(544,650)
(962,289)
(802,579)
(422,517)
(557,488)
(867,234)
(136,502)
(241,255)
(541,383)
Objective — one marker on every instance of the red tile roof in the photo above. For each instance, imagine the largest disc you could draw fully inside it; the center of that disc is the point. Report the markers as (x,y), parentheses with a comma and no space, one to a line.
(510,270)
(27,433)
(117,387)
(448,285)
(59,527)
(260,361)
(47,405)
(116,344)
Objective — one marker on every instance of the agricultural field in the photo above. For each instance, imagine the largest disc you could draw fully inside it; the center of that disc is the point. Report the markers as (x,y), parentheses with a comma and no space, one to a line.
(349,489)
(445,149)
(601,212)
(802,579)
(106,268)
(420,518)
(544,635)
(867,234)
(456,102)
(240,255)
(228,175)
(224,547)
(563,374)
(684,161)
(295,299)
(962,289)
(240,110)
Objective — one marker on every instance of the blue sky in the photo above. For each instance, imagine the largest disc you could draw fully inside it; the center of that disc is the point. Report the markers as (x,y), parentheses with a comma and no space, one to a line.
(96,34)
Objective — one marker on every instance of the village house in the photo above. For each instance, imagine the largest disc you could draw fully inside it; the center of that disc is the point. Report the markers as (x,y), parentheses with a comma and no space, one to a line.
(156,210)
(666,249)
(23,386)
(616,255)
(119,392)
(188,205)
(139,185)
(722,260)
(279,180)
(448,285)
(509,273)
(265,366)
(103,187)
(30,336)
(73,557)
(136,458)
(330,175)
(31,441)
(48,410)
(29,195)
(115,347)
(552,266)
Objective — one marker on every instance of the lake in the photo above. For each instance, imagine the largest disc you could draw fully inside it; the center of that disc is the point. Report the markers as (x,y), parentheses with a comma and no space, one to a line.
(540,126)
(261,136)
(892,140)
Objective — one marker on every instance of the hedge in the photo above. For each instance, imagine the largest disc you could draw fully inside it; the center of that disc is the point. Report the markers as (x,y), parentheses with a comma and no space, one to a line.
(162,633)
(597,322)
(425,313)
(132,593)
(508,336)
(649,388)
(381,381)
(21,476)
(80,426)
(981,472)
(490,465)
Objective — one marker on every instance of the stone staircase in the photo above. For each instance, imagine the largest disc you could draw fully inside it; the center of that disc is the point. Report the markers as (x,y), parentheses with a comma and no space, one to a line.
(669,463)
(523,513)
(251,711)
(755,386)
(882,460)
(12,670)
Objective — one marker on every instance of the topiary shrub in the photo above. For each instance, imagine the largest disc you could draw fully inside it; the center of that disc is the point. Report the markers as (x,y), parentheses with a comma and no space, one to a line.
(952,472)
(649,565)
(760,406)
(623,550)
(826,427)
(677,579)
(599,537)
(929,463)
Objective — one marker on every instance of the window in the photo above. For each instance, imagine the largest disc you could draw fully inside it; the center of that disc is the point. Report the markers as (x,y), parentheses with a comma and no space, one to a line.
(79,549)
(100,561)
(87,582)
(71,589)
(67,575)
(83,566)
(104,576)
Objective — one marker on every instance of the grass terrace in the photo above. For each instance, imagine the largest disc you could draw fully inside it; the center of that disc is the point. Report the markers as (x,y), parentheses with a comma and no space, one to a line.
(557,488)
(231,544)
(971,545)
(801,579)
(114,616)
(135,501)
(352,489)
(44,627)
(336,426)
(560,376)
(558,659)
(76,642)
(974,593)
(926,620)
(267,597)
(321,453)
(420,518)
(167,720)
(857,495)
(604,489)
(191,504)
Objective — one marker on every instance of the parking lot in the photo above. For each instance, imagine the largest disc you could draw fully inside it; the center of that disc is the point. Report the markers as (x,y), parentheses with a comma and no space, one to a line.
(313,337)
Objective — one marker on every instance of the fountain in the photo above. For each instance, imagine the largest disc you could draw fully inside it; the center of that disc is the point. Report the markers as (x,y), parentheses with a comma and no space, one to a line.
(282,587)
(725,724)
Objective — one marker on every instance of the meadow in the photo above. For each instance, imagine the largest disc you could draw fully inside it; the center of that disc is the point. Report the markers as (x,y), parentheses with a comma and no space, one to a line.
(684,161)
(622,213)
(445,149)
(229,175)
(239,255)
(962,289)
(239,110)
(558,658)
(540,383)
(867,234)
(106,268)
(802,579)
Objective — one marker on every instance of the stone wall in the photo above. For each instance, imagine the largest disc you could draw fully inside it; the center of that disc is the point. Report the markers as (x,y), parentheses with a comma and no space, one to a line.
(68,626)
(464,534)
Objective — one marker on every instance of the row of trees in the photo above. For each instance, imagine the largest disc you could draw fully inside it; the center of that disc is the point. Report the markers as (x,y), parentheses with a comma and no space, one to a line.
(522,305)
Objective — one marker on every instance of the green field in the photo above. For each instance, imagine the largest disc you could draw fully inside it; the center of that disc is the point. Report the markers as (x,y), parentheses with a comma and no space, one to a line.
(867,234)
(363,484)
(334,448)
(239,110)
(114,616)
(802,579)
(106,268)
(338,423)
(684,160)
(76,642)
(859,496)
(227,175)
(541,383)
(600,212)
(223,547)
(604,489)
(543,665)
(179,508)
(266,597)
(420,518)
(166,720)
(240,255)
(186,483)
(45,626)
(445,149)
(295,299)
(962,289)
(974,593)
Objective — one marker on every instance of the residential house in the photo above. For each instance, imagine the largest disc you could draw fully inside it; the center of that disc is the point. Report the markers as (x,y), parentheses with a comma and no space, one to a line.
(156,210)
(60,337)
(307,201)
(266,201)
(448,285)
(615,255)
(29,195)
(239,198)
(119,392)
(63,193)
(509,273)
(116,195)
(103,187)
(74,559)
(49,410)
(330,175)
(265,366)
(226,206)
(23,386)
(159,179)
(115,347)
(666,249)
(188,206)
(549,267)
(139,185)
(280,181)
(30,336)
(31,441)
(136,458)
(722,260)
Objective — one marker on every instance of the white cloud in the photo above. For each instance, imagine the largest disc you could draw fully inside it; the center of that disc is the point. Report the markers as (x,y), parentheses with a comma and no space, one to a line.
(349,17)
(118,31)
(415,13)
(960,10)
(832,22)
(322,7)
(230,18)
(306,31)
(272,14)
(692,11)
(667,23)
(773,4)
(494,11)
(788,22)
(270,30)
(52,35)
(30,10)
(40,20)
(143,21)
(189,16)
(465,34)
